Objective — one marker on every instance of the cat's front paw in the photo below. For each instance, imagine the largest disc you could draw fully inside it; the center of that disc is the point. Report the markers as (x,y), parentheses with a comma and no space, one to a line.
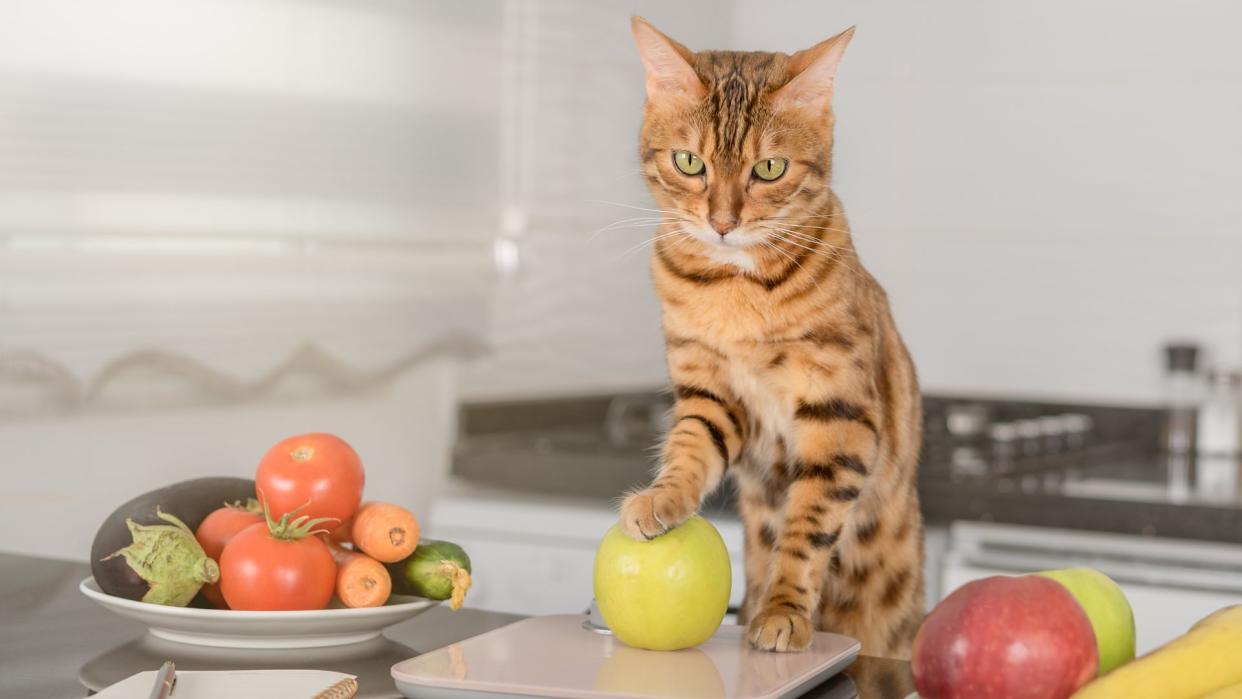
(651,512)
(780,631)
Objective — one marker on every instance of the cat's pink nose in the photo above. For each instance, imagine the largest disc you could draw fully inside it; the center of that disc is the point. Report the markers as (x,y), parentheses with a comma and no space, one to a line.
(723,225)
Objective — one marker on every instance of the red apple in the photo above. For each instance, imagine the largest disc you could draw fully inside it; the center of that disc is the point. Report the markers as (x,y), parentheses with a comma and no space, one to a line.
(1005,637)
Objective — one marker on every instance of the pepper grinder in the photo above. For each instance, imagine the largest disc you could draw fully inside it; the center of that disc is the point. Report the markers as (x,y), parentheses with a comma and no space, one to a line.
(1183,391)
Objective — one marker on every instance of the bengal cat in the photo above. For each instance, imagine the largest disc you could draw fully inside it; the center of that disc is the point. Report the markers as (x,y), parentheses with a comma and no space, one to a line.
(788,371)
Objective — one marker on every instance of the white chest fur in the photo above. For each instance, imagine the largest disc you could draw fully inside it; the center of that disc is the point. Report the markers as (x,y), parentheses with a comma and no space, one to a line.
(768,410)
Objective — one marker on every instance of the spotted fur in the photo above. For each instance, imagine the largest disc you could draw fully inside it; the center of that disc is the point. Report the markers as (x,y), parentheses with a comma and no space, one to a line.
(789,373)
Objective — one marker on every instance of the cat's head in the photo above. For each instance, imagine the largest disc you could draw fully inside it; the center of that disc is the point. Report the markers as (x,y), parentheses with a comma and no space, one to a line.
(738,144)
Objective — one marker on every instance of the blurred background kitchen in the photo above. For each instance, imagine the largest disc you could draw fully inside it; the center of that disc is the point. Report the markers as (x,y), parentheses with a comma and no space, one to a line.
(227,221)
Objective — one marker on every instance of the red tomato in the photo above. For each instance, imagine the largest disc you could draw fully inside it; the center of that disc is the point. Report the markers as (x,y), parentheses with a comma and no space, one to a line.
(316,472)
(261,572)
(216,531)
(343,533)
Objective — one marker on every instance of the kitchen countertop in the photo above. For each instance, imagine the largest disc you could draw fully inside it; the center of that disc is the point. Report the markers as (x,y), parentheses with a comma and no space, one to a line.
(1118,482)
(1139,495)
(54,642)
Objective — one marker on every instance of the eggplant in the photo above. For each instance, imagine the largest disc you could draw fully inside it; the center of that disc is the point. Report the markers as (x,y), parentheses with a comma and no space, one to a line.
(139,546)
(436,570)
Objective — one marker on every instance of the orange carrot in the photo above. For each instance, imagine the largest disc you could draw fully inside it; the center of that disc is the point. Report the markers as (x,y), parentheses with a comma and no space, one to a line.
(361,581)
(385,532)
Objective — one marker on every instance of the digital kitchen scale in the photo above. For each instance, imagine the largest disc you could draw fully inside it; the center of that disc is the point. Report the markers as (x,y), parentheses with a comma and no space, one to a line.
(562,656)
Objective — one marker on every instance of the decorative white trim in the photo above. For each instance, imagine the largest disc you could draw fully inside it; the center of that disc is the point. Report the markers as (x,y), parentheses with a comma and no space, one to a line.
(56,390)
(77,330)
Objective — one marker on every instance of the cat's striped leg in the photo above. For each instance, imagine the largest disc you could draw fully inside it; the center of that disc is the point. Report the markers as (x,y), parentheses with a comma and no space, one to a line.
(760,536)
(706,436)
(835,447)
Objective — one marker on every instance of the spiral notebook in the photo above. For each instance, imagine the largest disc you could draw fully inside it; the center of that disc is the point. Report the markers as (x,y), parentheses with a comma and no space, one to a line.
(268,684)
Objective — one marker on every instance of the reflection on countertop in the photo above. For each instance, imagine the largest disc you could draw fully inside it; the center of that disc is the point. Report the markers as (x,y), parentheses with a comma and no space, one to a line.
(1038,463)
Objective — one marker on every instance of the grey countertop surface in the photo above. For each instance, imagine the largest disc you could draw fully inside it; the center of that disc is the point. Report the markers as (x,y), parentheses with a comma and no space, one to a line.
(56,643)
(1117,482)
(1139,495)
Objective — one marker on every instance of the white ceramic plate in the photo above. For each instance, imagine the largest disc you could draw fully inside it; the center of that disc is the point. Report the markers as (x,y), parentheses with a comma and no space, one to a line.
(226,628)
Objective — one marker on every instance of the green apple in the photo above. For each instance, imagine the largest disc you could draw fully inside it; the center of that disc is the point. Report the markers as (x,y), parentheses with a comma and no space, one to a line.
(668,593)
(1107,608)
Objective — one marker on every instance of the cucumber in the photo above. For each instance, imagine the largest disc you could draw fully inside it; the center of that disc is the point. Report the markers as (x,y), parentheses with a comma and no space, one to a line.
(436,570)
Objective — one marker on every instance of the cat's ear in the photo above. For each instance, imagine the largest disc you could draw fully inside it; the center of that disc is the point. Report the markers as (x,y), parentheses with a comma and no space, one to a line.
(667,62)
(814,71)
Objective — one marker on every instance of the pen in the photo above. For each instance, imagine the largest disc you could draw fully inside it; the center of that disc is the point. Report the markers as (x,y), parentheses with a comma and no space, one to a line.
(164,681)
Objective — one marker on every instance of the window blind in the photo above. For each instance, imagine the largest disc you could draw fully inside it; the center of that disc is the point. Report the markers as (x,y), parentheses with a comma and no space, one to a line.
(258,124)
(579,314)
(235,184)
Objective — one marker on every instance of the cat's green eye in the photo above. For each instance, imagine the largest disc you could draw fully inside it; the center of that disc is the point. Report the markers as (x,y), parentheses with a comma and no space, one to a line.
(770,169)
(688,163)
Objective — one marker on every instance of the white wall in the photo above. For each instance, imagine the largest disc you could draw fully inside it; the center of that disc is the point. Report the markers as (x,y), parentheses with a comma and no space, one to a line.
(256,123)
(1049,190)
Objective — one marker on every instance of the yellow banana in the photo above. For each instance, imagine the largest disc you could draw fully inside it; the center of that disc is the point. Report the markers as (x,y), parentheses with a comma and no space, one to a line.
(1207,658)
(1233,691)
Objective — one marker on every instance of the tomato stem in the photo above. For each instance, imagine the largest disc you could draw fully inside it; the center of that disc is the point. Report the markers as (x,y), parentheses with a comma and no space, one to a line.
(250,505)
(289,529)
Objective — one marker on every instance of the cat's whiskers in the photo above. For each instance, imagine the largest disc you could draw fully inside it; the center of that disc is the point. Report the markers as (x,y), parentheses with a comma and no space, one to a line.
(812,217)
(679,244)
(816,242)
(639,218)
(774,246)
(819,284)
(797,244)
(688,237)
(679,232)
(797,229)
(630,223)
(638,222)
(822,228)
(795,235)
(806,237)
(639,208)
(833,252)
(836,259)
(623,175)
(796,221)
